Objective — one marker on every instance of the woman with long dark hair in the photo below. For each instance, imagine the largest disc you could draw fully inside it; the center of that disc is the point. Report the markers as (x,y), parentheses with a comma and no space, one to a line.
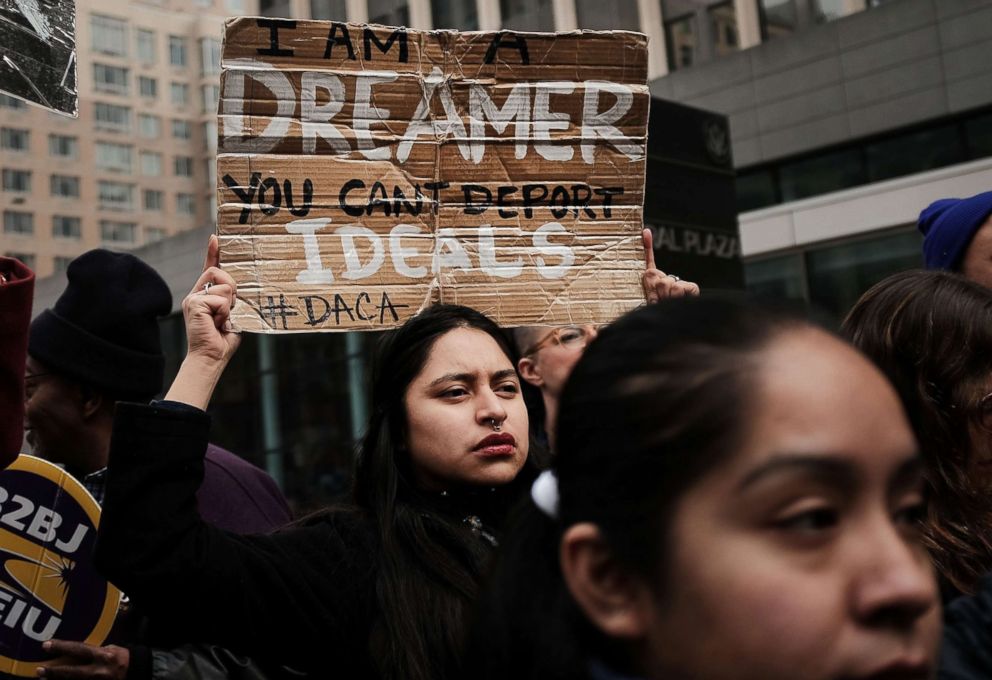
(735,496)
(376,589)
(931,333)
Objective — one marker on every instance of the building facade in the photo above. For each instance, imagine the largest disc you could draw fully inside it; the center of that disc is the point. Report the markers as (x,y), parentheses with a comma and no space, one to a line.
(845,124)
(137,165)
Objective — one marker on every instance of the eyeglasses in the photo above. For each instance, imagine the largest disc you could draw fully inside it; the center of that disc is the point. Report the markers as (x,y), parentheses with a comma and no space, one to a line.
(569,337)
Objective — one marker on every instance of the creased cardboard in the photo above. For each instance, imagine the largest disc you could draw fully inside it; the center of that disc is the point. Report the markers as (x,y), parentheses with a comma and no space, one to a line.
(365,172)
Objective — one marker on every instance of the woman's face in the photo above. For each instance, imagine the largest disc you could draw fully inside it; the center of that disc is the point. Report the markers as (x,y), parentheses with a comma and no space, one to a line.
(799,558)
(466,421)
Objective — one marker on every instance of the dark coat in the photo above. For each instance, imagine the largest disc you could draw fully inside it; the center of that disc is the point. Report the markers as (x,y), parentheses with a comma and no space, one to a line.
(239,497)
(16,292)
(966,652)
(304,595)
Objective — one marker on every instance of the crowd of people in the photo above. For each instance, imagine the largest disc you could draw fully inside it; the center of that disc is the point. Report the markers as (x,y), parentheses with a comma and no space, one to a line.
(709,487)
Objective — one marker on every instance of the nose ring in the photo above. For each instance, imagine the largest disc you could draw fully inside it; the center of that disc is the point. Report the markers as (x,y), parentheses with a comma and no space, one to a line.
(497,425)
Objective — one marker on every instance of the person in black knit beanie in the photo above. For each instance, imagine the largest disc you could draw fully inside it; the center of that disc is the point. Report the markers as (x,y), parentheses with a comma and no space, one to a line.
(98,345)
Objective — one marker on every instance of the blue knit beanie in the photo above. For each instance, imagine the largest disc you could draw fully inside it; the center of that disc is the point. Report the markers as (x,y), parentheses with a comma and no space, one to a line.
(948,225)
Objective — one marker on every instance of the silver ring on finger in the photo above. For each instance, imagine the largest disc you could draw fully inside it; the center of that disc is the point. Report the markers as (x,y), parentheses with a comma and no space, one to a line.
(674,278)
(207,285)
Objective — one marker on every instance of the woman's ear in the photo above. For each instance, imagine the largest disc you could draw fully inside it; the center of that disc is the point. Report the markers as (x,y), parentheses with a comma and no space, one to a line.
(529,372)
(615,601)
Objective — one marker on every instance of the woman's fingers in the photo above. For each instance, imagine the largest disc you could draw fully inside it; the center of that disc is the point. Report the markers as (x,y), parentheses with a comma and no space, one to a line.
(214,276)
(647,238)
(212,258)
(76,650)
(658,285)
(78,660)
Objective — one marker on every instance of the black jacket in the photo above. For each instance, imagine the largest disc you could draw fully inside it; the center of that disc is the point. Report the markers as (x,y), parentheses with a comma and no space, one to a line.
(304,596)
(966,653)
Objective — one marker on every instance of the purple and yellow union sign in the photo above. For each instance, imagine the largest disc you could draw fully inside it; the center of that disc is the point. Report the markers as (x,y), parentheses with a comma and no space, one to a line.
(49,586)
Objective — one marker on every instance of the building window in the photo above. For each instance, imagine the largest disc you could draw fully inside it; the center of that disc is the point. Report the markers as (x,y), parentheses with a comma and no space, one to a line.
(209,131)
(153,234)
(681,39)
(834,277)
(111,79)
(117,232)
(389,12)
(151,163)
(63,146)
(177,51)
(333,10)
(458,15)
(14,139)
(777,278)
(9,102)
(209,57)
(839,274)
(146,46)
(147,87)
(66,186)
(821,174)
(527,15)
(17,222)
(697,31)
(16,180)
(108,35)
(27,258)
(920,151)
(149,127)
(64,226)
(182,129)
(183,166)
(152,199)
(604,16)
(756,189)
(114,157)
(179,94)
(723,28)
(274,8)
(978,135)
(185,204)
(785,17)
(209,94)
(61,264)
(115,195)
(778,18)
(112,117)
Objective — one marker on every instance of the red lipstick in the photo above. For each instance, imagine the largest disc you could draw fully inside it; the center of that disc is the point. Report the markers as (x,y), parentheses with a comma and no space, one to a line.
(502,444)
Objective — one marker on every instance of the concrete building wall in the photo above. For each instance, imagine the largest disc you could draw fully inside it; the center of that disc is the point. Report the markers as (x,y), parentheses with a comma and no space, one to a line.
(905,62)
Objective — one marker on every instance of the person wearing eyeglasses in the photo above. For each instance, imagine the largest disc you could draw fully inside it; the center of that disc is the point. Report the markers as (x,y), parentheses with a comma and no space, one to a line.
(548,355)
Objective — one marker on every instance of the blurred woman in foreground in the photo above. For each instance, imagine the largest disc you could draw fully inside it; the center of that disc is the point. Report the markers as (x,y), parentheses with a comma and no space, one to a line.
(736,495)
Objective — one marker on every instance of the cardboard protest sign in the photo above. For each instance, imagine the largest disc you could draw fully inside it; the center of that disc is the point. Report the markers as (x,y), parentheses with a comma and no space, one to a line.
(49,586)
(365,172)
(38,52)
